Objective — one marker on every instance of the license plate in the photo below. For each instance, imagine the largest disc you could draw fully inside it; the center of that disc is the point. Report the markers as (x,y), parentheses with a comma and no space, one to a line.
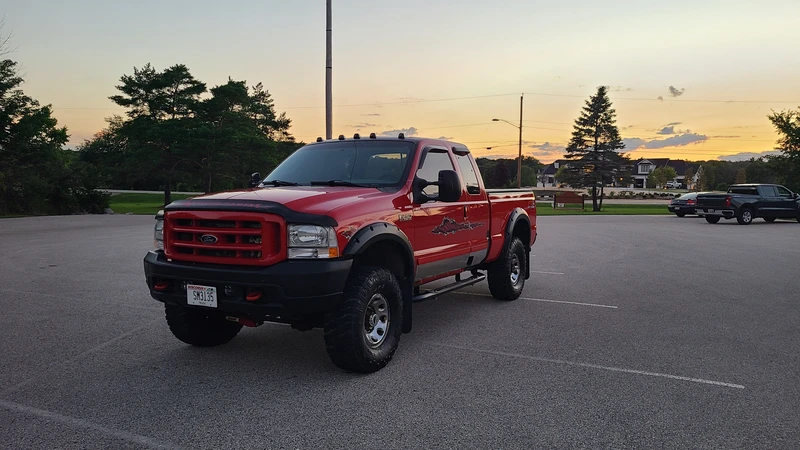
(201,295)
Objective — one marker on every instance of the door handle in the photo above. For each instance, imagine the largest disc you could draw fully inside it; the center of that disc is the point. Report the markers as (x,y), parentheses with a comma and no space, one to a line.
(465,211)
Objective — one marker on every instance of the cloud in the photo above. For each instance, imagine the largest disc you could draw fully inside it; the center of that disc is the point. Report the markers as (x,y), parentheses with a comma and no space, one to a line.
(547,149)
(675,92)
(445,138)
(411,99)
(672,124)
(677,141)
(364,125)
(667,130)
(661,98)
(632,144)
(744,156)
(410,131)
(726,137)
(618,89)
(372,115)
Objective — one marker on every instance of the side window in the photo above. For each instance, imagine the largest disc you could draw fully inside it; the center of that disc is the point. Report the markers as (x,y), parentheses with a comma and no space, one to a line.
(768,191)
(783,192)
(435,161)
(468,173)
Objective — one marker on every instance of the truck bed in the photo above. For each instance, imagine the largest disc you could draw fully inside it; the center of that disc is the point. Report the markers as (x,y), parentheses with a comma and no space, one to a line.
(502,202)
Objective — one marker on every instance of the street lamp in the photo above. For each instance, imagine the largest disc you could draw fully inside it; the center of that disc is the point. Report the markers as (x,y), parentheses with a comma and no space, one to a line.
(519,158)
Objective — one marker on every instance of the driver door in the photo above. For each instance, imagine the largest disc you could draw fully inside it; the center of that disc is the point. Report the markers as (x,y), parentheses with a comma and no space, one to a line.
(442,242)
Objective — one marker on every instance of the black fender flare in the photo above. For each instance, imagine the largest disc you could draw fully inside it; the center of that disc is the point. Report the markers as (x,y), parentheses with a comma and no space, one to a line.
(519,215)
(375,233)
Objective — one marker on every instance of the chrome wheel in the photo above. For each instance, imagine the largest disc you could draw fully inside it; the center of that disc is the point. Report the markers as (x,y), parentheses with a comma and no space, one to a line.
(515,269)
(747,216)
(376,320)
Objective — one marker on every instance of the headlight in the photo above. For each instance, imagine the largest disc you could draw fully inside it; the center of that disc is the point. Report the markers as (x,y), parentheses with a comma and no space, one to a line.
(312,241)
(158,233)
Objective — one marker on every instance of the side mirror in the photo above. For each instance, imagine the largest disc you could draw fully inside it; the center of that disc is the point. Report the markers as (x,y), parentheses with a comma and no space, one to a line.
(255,179)
(449,188)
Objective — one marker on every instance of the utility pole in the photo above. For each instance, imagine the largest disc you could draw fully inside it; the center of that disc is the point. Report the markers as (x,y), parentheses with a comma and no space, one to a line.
(328,74)
(519,161)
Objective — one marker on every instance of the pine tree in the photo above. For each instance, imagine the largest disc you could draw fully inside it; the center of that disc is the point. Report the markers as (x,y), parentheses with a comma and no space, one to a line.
(592,151)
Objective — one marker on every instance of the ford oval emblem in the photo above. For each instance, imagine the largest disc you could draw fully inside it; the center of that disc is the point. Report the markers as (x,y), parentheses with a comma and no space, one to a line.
(208,239)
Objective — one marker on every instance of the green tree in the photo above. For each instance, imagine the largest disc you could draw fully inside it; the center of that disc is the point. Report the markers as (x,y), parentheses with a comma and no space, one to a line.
(528,176)
(702,179)
(787,164)
(592,150)
(566,176)
(31,155)
(500,175)
(741,176)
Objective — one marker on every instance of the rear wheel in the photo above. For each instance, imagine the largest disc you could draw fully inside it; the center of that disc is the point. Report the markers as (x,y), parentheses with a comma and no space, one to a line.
(745,216)
(769,219)
(507,274)
(200,327)
(680,214)
(712,219)
(363,333)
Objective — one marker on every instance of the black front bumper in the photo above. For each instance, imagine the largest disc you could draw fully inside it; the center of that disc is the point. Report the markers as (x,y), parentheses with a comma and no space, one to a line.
(290,289)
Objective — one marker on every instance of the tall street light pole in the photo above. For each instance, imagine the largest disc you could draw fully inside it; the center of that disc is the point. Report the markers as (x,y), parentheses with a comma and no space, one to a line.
(328,74)
(519,158)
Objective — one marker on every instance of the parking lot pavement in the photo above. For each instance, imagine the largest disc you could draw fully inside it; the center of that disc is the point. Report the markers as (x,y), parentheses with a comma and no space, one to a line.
(633,332)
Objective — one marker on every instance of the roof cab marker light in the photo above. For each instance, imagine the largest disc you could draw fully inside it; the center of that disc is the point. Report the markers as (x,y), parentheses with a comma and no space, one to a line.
(401,136)
(372,135)
(319,139)
(341,137)
(356,136)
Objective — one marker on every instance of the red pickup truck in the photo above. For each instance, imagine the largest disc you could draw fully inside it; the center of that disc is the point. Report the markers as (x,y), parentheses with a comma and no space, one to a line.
(343,235)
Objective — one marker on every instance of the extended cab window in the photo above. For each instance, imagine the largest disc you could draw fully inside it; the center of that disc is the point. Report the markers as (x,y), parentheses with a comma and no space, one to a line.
(768,191)
(783,192)
(468,173)
(435,161)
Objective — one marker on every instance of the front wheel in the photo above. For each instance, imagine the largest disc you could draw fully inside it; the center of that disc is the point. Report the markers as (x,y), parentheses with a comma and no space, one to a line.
(745,216)
(200,327)
(363,333)
(507,274)
(712,219)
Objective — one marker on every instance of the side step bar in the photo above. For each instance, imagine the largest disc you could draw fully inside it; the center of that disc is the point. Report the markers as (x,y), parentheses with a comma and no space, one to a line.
(427,295)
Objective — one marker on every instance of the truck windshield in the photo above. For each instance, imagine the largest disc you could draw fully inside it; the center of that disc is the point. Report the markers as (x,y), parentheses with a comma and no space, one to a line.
(346,163)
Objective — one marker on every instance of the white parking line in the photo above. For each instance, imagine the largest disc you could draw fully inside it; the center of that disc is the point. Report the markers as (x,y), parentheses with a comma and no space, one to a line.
(593,366)
(546,300)
(547,273)
(76,422)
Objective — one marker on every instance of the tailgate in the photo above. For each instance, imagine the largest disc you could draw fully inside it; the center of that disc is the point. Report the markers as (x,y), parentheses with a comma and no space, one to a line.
(717,200)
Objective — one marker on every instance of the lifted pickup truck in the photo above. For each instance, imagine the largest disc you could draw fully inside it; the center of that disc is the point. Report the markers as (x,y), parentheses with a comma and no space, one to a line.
(343,235)
(746,202)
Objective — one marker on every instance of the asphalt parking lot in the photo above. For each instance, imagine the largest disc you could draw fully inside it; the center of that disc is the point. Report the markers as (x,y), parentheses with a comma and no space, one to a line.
(634,332)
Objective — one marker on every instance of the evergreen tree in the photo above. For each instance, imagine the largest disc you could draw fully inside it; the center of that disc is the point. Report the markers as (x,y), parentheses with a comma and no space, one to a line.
(592,152)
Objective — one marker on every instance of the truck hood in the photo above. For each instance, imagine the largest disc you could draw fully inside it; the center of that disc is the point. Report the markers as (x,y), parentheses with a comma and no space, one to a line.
(307,199)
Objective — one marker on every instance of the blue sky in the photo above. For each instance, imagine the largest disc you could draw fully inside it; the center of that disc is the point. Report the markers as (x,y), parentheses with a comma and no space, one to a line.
(73,53)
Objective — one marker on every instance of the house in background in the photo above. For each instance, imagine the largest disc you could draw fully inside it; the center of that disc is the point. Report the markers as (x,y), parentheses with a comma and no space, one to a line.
(547,176)
(642,167)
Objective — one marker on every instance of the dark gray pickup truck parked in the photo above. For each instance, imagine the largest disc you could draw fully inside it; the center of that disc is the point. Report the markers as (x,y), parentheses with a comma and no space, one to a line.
(746,202)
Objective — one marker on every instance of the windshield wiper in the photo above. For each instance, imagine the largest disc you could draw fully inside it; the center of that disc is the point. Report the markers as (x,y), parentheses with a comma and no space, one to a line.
(280,183)
(339,183)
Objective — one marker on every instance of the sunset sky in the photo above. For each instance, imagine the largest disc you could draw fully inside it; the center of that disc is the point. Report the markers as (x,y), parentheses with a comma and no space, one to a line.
(689,79)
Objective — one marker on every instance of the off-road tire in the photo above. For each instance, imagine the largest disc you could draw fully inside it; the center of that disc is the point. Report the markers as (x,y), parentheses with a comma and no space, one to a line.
(745,216)
(680,214)
(500,273)
(199,327)
(769,219)
(346,326)
(712,219)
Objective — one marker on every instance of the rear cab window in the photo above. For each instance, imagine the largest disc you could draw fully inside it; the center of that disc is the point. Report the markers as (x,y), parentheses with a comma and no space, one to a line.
(468,173)
(744,190)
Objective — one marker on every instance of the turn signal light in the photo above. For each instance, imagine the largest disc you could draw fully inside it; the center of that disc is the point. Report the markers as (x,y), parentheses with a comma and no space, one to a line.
(333,252)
